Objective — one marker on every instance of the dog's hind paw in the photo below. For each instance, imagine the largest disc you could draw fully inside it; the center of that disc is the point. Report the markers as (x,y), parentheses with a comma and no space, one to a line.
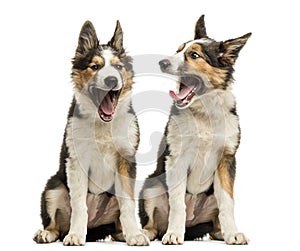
(173,239)
(150,234)
(236,239)
(74,240)
(137,240)
(45,236)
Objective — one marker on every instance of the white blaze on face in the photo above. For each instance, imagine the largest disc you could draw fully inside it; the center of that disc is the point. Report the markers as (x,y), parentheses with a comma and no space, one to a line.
(108,71)
(105,87)
(107,55)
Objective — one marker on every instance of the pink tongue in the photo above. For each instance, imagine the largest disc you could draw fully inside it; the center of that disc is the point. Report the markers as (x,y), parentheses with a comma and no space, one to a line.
(182,94)
(107,106)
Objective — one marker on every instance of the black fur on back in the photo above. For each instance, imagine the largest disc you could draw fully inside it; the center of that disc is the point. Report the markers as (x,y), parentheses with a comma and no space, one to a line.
(60,177)
(159,175)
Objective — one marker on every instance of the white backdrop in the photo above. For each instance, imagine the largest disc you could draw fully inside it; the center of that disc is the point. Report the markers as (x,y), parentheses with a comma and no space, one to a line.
(38,40)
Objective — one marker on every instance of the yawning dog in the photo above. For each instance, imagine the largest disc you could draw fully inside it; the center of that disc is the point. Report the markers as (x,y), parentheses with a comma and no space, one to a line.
(92,194)
(190,193)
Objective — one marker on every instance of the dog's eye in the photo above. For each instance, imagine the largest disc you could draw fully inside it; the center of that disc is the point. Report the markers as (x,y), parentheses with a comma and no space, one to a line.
(118,66)
(94,67)
(194,55)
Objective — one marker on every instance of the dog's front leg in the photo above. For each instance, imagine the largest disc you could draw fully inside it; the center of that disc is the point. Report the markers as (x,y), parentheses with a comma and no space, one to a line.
(176,180)
(78,185)
(124,188)
(223,186)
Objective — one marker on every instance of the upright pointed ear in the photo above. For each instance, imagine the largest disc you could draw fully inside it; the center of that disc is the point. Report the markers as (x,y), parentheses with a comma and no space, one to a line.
(200,30)
(117,40)
(87,38)
(229,50)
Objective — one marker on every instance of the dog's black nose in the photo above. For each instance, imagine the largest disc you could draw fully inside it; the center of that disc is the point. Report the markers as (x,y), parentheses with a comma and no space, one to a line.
(111,81)
(164,64)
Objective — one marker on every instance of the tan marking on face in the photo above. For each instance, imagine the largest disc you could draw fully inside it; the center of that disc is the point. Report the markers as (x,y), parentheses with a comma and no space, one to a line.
(180,48)
(97,60)
(82,77)
(116,60)
(215,75)
(196,48)
(126,77)
(126,181)
(127,83)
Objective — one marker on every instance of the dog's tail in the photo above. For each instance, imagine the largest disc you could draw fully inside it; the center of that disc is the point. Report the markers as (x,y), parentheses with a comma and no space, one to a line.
(198,231)
(100,233)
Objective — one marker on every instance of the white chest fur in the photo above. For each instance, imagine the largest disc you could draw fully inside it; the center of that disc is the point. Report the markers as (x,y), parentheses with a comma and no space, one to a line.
(197,138)
(95,146)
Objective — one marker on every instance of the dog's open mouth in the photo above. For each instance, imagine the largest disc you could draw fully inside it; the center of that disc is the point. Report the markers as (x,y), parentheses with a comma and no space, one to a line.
(189,86)
(106,102)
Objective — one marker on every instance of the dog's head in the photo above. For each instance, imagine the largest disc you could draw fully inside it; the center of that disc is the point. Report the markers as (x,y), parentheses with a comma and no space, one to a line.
(102,72)
(202,65)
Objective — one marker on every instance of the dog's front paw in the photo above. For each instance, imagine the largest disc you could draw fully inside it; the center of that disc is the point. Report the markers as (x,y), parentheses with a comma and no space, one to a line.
(236,239)
(73,239)
(137,240)
(45,236)
(172,238)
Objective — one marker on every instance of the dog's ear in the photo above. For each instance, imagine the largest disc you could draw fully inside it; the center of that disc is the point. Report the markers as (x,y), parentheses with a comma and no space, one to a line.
(87,38)
(200,30)
(229,50)
(117,40)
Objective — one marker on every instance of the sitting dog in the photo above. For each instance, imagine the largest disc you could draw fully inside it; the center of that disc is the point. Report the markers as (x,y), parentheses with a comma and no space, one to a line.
(92,194)
(190,193)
